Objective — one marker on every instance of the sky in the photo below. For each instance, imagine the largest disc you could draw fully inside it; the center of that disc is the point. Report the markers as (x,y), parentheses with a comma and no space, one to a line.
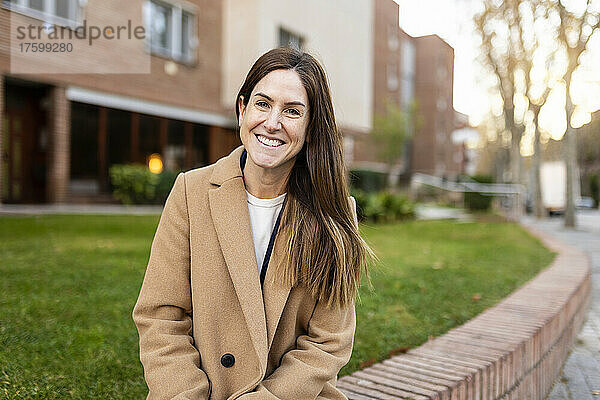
(451,20)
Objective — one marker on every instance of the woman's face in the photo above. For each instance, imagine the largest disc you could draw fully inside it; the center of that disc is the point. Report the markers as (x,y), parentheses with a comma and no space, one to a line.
(273,123)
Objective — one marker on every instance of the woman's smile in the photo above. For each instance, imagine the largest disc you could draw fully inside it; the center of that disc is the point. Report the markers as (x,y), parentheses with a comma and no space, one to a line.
(269,142)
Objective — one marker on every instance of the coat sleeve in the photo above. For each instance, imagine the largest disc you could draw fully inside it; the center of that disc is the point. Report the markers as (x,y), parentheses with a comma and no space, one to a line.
(162,313)
(318,356)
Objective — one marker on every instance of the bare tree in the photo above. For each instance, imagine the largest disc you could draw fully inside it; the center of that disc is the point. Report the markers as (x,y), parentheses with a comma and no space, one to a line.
(575,29)
(512,24)
(498,48)
(529,15)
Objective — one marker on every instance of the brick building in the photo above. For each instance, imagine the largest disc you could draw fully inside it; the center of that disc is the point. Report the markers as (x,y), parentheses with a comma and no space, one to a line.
(408,69)
(432,148)
(66,120)
(62,131)
(63,127)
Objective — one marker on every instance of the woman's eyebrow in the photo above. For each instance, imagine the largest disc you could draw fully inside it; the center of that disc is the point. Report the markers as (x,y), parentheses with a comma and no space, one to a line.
(289,103)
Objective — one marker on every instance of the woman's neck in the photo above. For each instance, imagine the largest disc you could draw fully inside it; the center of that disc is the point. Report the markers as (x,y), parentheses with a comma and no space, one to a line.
(266,183)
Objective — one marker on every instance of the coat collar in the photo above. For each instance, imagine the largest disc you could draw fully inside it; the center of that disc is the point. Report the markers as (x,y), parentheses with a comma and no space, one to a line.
(262,309)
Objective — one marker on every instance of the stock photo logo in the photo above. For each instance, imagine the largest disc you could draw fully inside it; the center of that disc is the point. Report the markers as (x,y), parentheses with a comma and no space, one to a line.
(47,43)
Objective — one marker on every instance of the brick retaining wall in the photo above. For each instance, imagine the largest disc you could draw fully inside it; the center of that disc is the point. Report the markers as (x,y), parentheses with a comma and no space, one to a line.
(514,350)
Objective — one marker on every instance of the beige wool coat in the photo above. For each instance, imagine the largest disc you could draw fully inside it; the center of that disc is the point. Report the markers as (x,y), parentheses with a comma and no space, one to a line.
(207,330)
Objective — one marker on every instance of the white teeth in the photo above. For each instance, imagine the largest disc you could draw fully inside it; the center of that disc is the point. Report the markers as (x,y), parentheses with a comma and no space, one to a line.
(269,142)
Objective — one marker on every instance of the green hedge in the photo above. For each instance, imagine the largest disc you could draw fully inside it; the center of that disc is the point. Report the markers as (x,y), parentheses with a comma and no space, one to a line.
(135,184)
(368,181)
(382,206)
(476,201)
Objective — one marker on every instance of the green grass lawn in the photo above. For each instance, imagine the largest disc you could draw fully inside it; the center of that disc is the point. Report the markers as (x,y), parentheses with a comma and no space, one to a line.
(68,285)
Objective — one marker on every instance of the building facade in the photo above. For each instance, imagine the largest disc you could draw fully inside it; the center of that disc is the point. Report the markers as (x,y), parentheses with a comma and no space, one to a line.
(341,38)
(433,151)
(66,121)
(63,128)
(62,131)
(412,73)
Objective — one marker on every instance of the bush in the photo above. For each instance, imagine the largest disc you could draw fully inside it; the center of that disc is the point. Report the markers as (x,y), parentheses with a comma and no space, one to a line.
(135,184)
(368,181)
(395,207)
(476,201)
(382,206)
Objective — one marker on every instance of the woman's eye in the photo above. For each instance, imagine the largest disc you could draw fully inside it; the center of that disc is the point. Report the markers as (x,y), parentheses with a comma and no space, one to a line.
(293,111)
(262,104)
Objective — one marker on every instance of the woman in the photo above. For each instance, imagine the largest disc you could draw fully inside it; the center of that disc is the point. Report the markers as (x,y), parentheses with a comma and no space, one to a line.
(229,312)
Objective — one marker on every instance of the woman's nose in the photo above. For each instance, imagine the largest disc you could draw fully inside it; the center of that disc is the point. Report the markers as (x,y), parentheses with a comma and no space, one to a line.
(273,121)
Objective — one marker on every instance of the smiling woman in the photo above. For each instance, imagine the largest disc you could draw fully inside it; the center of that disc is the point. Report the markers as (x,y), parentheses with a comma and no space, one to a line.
(250,287)
(273,130)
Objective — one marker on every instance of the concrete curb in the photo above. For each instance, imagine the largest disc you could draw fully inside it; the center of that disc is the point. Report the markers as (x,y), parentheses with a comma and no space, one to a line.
(514,350)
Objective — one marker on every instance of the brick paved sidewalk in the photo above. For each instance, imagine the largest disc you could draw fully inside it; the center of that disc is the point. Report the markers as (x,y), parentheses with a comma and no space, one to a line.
(580,377)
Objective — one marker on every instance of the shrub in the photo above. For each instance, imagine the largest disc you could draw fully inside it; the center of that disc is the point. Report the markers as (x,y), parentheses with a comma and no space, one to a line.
(476,201)
(382,206)
(395,207)
(135,184)
(368,181)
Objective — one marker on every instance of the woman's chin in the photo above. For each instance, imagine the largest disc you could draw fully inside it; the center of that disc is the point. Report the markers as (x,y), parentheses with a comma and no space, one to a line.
(265,158)
(266,162)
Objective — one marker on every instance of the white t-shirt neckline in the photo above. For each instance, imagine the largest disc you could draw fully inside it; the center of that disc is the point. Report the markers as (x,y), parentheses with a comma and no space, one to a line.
(265,202)
(263,217)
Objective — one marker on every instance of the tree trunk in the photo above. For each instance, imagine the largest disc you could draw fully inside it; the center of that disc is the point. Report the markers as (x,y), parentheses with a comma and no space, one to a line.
(570,150)
(515,145)
(515,157)
(538,204)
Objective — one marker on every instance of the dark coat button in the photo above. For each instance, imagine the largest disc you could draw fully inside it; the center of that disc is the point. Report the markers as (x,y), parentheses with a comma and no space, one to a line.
(227,360)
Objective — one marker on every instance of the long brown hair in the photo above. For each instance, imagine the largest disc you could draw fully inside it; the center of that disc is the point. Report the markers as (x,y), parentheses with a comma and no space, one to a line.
(325,251)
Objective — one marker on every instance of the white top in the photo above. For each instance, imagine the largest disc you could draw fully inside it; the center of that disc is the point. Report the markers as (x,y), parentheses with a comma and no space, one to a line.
(263,216)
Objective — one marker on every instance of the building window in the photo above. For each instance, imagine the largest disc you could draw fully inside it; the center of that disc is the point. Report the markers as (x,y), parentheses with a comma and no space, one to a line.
(392,34)
(442,104)
(289,39)
(171,30)
(442,72)
(60,12)
(392,77)
(408,58)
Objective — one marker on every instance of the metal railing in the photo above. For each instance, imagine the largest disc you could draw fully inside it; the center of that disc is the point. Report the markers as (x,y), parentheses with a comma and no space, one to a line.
(515,193)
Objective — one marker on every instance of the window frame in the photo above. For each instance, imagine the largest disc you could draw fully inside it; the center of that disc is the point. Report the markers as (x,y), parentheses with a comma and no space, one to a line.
(24,7)
(392,78)
(174,50)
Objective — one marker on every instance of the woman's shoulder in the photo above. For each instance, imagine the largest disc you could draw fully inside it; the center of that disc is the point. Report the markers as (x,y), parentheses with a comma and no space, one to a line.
(200,173)
(198,178)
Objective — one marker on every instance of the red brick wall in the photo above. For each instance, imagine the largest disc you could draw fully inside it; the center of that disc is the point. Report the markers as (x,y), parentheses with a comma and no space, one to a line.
(432,147)
(386,19)
(196,86)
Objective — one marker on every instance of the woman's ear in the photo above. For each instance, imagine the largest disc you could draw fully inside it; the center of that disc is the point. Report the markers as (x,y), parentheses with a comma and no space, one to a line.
(241,109)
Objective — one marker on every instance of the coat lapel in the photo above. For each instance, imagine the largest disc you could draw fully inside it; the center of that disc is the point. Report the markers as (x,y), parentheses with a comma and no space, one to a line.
(229,210)
(275,293)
